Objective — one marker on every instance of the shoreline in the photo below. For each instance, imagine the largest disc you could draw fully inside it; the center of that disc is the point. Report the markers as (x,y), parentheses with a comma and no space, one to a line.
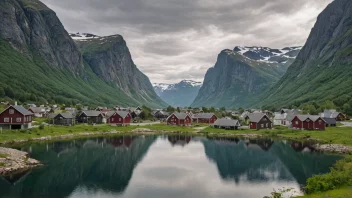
(318,146)
(14,161)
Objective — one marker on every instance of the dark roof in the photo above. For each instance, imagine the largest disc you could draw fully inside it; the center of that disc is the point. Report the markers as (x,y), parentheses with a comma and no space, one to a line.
(256,117)
(204,115)
(92,113)
(330,121)
(37,109)
(65,115)
(123,114)
(226,122)
(305,117)
(22,110)
(181,116)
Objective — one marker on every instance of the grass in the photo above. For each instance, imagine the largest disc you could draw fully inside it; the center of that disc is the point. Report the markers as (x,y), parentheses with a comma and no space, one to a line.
(8,135)
(332,135)
(2,155)
(338,193)
(2,164)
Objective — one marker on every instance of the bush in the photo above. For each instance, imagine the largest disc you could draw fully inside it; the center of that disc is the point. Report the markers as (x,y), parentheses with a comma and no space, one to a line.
(41,127)
(340,175)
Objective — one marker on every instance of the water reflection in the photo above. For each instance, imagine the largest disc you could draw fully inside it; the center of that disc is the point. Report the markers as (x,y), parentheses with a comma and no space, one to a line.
(166,166)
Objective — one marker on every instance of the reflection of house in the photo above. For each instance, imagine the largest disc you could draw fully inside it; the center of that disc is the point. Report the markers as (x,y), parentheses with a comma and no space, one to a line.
(65,119)
(261,143)
(121,141)
(95,117)
(179,119)
(308,122)
(259,121)
(121,118)
(332,113)
(16,117)
(179,140)
(227,124)
(300,146)
(205,118)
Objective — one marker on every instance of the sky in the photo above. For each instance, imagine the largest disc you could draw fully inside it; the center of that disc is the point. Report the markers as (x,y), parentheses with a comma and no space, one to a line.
(173,40)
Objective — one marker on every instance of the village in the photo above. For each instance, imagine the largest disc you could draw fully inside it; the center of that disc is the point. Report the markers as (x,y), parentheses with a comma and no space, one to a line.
(19,117)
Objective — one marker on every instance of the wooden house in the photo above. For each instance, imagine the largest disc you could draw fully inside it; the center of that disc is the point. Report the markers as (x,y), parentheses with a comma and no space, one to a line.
(119,118)
(16,117)
(205,118)
(38,112)
(332,113)
(64,119)
(94,117)
(308,122)
(259,121)
(161,115)
(229,124)
(179,119)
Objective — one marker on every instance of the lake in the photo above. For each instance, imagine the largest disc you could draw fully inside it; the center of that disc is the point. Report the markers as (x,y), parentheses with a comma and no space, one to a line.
(165,166)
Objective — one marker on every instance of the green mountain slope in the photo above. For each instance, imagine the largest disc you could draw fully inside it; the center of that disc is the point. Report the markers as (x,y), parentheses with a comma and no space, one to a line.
(323,69)
(238,77)
(40,63)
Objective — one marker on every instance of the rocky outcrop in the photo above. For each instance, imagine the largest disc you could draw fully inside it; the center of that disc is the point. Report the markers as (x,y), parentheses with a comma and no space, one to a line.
(14,161)
(239,75)
(30,27)
(180,94)
(323,69)
(333,148)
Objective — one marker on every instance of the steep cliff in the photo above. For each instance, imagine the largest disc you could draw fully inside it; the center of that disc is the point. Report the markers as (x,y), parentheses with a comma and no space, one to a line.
(322,70)
(110,59)
(180,94)
(240,74)
(41,63)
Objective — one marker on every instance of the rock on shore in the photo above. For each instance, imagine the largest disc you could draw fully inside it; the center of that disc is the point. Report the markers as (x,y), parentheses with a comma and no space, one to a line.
(13,161)
(334,148)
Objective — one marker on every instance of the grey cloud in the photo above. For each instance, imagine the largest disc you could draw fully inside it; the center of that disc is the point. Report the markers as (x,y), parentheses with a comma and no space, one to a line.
(167,38)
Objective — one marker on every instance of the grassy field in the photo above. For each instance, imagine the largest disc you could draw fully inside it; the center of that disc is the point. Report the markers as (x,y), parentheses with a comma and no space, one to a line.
(339,193)
(8,135)
(334,135)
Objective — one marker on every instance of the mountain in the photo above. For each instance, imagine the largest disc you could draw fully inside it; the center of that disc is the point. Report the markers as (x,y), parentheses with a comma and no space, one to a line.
(323,69)
(41,63)
(242,73)
(181,94)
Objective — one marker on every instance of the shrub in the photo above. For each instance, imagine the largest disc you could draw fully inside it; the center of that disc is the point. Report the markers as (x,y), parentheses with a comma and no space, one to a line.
(340,175)
(41,127)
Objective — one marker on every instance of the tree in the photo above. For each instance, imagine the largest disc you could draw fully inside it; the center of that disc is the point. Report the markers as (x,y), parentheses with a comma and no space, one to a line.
(222,109)
(170,109)
(2,92)
(178,109)
(347,109)
(212,110)
(9,93)
(205,110)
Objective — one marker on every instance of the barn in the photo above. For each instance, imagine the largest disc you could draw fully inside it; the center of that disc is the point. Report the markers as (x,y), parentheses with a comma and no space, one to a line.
(179,119)
(95,117)
(229,124)
(119,118)
(308,122)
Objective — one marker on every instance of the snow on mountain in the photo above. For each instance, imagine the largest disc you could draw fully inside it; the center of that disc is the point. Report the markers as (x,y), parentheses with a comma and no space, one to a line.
(83,36)
(268,55)
(184,83)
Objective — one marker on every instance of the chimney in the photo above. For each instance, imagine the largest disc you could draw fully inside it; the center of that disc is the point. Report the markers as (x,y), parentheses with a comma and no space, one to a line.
(15,103)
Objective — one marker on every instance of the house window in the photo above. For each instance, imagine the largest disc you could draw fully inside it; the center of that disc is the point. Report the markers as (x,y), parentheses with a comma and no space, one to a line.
(320,122)
(112,119)
(262,125)
(6,119)
(29,118)
(11,111)
(18,119)
(119,119)
(296,122)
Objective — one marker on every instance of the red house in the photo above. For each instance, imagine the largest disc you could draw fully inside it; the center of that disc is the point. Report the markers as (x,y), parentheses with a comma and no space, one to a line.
(179,119)
(308,122)
(259,121)
(16,117)
(206,118)
(120,118)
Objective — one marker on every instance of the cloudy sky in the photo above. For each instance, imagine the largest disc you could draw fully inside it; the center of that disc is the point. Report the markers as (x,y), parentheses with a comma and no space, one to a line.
(171,40)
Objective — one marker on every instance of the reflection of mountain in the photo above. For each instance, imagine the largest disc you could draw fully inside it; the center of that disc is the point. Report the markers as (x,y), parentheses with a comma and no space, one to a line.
(180,140)
(265,161)
(96,164)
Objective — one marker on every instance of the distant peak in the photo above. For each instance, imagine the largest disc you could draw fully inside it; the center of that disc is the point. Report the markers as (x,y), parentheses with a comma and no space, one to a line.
(83,36)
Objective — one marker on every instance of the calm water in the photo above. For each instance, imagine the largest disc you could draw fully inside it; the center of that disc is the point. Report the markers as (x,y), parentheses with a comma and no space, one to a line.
(172,167)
